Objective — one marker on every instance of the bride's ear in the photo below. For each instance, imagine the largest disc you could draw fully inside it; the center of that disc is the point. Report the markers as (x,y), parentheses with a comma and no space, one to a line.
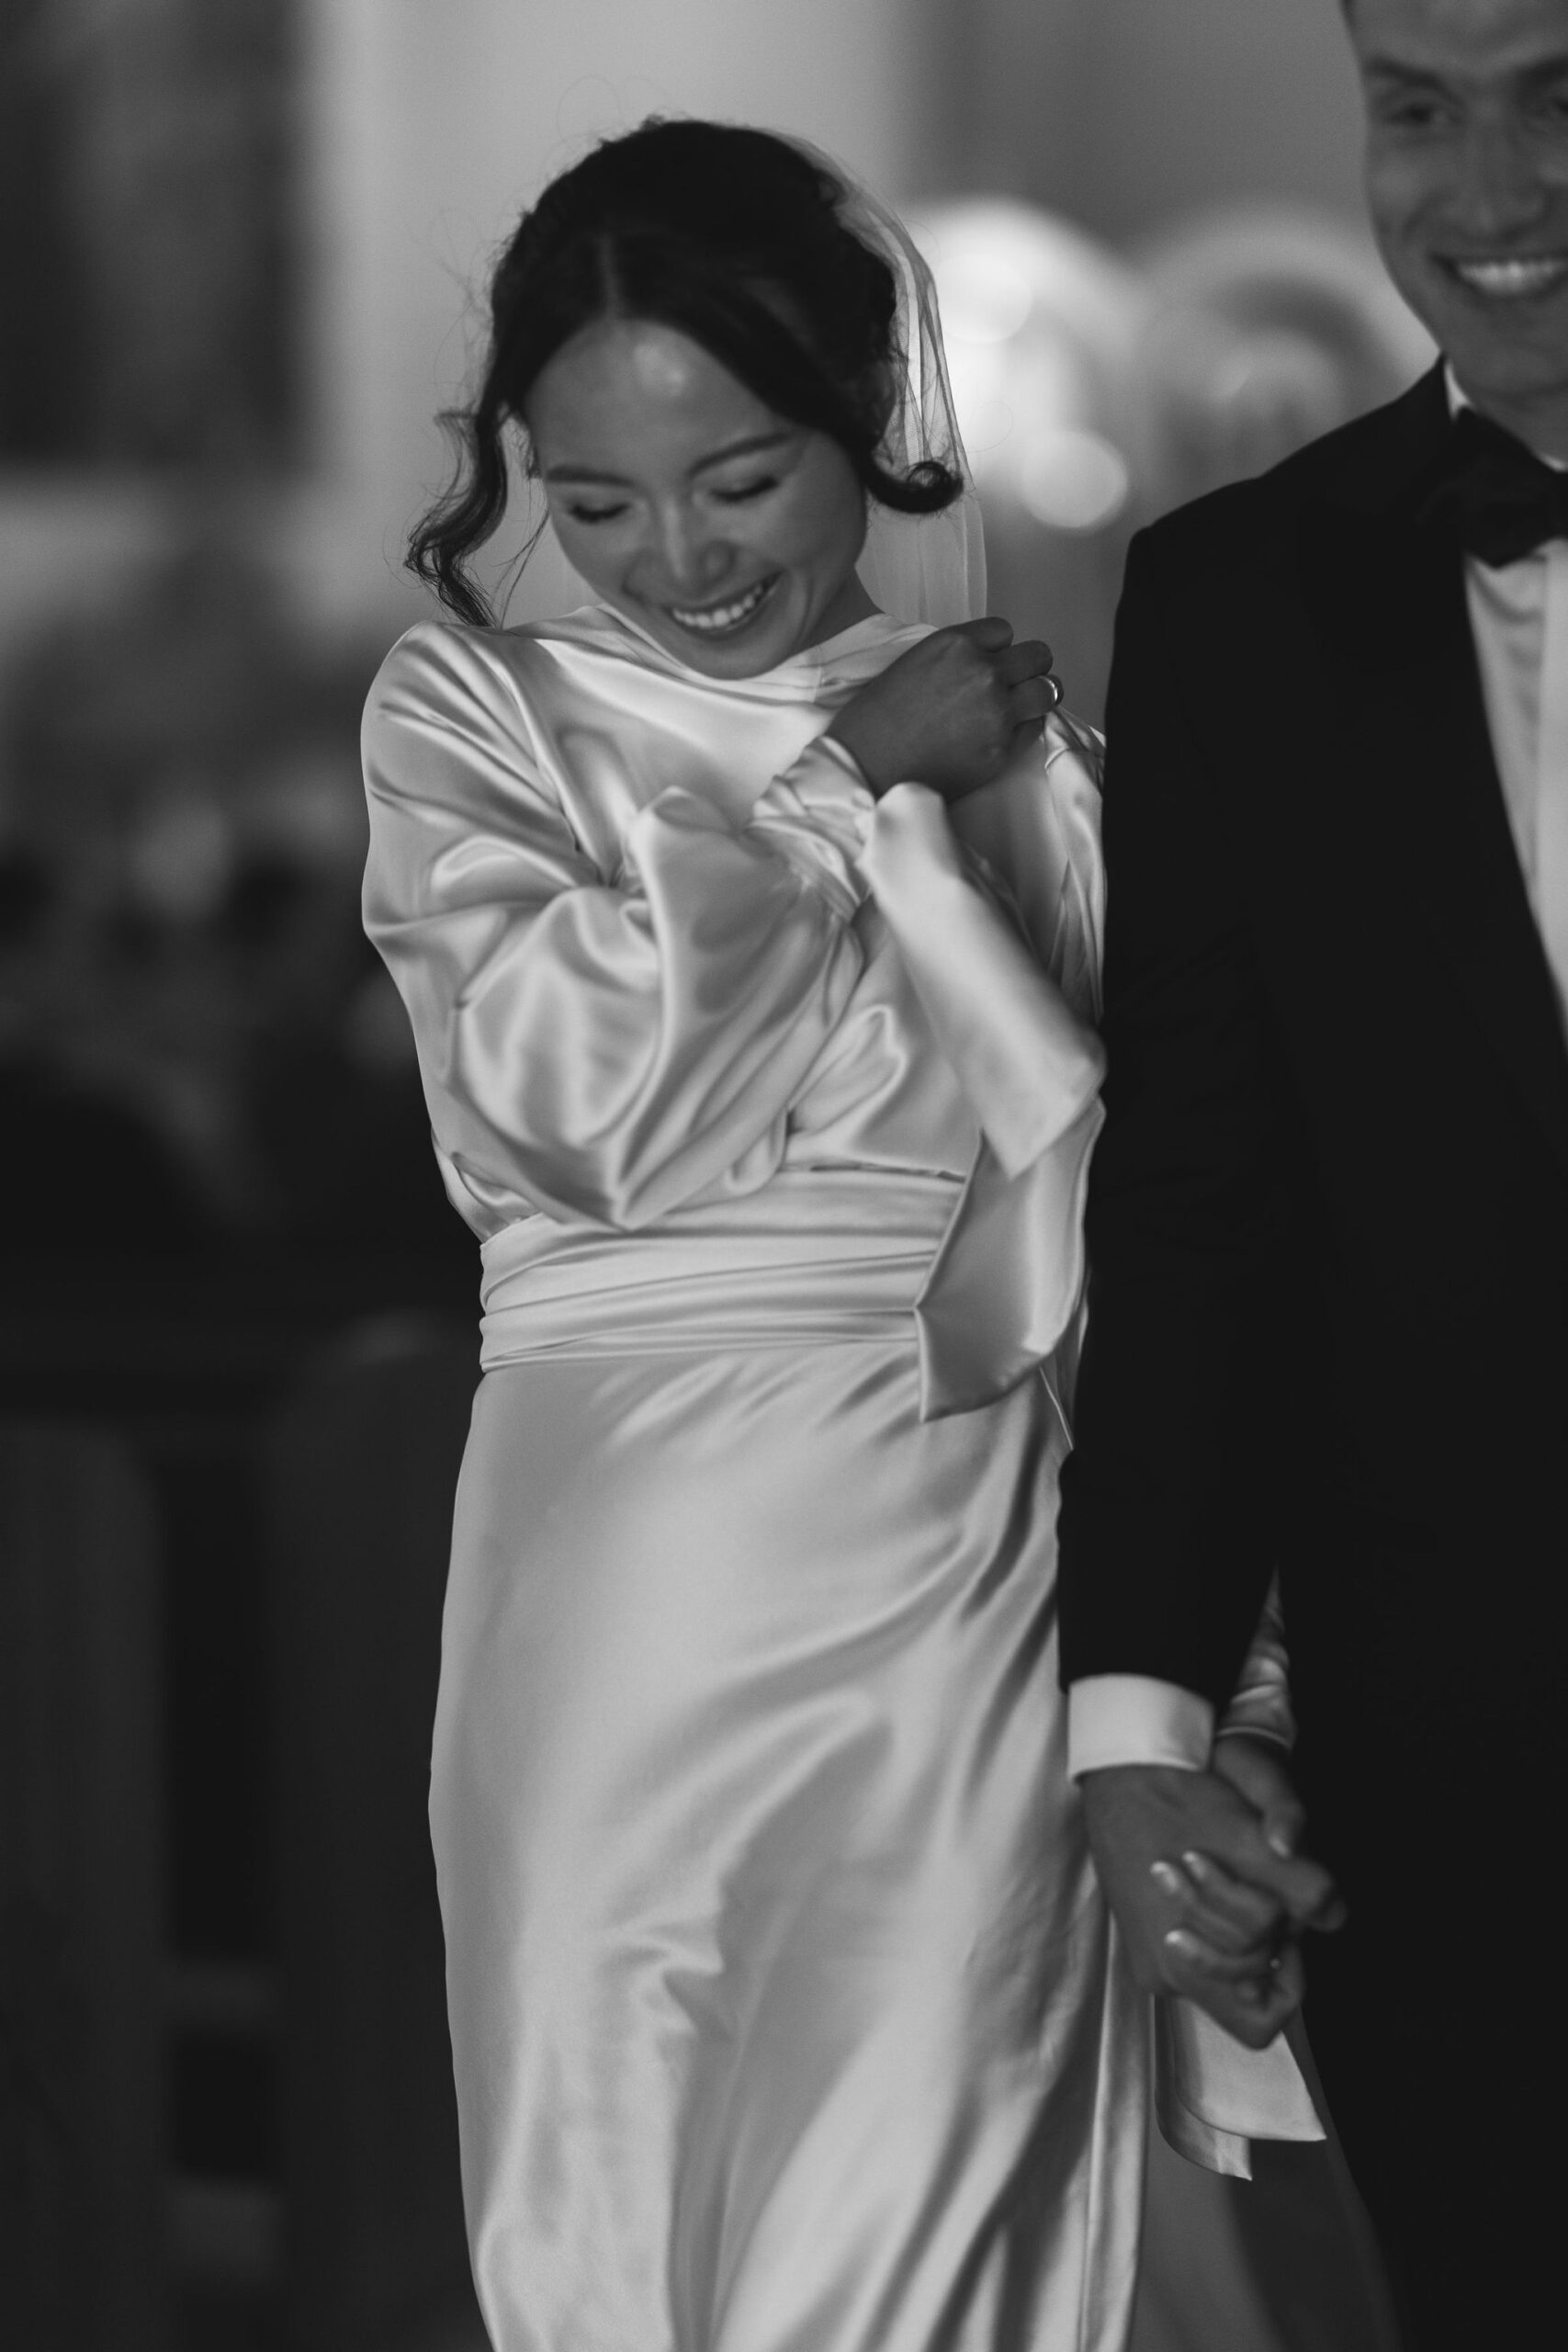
(520,446)
(880,393)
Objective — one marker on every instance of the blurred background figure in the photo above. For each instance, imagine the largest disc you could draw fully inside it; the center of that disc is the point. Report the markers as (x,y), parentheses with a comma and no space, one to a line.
(1265,328)
(1044,327)
(1098,389)
(237,1341)
(184,793)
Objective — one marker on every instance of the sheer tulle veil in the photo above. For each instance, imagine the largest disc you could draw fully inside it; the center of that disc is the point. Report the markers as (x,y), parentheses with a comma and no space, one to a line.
(917,567)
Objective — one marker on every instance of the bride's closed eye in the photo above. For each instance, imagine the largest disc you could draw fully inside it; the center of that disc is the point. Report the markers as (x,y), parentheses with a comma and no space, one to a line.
(738,494)
(735,494)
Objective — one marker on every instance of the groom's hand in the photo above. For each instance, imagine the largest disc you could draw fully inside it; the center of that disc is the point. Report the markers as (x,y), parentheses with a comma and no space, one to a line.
(1257,1771)
(1207,1903)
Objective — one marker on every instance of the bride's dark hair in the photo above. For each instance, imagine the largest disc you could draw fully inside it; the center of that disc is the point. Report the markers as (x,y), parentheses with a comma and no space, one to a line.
(733,237)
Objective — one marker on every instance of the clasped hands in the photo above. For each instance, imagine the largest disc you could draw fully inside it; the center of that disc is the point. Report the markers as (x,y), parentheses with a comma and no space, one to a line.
(1209,1888)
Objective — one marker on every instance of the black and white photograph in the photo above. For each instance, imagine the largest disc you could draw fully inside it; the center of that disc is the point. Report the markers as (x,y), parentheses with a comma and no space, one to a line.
(783,1178)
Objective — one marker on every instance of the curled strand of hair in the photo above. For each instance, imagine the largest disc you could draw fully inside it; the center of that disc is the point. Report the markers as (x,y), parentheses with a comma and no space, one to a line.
(928,488)
(467,513)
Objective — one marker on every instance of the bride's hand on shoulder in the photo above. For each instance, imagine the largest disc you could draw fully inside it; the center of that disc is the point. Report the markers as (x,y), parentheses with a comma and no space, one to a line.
(952,711)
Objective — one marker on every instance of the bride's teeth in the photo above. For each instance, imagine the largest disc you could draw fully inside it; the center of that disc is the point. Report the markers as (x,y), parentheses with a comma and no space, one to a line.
(1514,274)
(716,617)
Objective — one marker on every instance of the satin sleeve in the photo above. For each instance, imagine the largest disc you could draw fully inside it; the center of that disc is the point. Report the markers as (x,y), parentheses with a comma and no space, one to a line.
(1260,1703)
(998,906)
(995,908)
(594,1043)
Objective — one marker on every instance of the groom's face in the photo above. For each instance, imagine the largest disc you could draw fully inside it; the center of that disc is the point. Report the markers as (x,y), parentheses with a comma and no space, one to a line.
(1467,174)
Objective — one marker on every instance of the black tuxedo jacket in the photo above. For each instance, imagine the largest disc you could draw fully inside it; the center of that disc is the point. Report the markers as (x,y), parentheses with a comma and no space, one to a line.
(1329,1218)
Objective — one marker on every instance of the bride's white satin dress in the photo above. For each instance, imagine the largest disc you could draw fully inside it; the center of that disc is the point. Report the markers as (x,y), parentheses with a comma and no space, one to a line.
(786,2012)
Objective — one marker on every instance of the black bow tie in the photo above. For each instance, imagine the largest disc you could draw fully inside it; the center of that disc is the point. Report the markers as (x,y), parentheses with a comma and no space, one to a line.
(1496,495)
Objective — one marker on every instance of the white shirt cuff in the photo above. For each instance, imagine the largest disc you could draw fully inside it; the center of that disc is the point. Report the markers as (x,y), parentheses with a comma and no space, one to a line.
(1135,1719)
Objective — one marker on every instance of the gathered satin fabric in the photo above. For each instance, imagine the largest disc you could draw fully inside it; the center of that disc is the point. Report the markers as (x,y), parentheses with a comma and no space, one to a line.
(787,2015)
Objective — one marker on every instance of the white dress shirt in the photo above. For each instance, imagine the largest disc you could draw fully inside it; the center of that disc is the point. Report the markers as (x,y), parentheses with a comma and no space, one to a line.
(1518,615)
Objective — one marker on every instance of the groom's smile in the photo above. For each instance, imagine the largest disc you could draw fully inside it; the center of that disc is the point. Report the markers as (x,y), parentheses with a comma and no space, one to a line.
(1467,176)
(1508,278)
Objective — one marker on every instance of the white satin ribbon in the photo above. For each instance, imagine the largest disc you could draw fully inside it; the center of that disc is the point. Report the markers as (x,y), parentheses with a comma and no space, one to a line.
(1008,987)
(1214,2096)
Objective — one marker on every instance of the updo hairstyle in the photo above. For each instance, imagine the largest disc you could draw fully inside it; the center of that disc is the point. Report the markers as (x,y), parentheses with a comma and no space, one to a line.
(729,235)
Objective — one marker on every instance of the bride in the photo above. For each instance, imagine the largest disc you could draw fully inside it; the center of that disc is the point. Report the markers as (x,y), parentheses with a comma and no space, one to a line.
(750,933)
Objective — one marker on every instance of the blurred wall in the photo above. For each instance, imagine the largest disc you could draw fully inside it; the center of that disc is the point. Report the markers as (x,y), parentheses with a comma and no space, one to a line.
(1123,113)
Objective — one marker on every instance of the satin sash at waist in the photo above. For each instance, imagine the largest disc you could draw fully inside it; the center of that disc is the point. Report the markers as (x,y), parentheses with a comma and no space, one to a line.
(817,1256)
(983,1277)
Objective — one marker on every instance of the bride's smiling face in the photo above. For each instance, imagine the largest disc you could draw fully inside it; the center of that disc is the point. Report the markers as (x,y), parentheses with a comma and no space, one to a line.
(727,533)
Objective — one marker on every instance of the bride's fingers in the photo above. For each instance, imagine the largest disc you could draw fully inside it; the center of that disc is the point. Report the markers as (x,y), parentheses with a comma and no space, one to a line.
(1189,1947)
(1237,1943)
(1220,1891)
(1237,1919)
(991,633)
(1251,2006)
(1032,699)
(1029,658)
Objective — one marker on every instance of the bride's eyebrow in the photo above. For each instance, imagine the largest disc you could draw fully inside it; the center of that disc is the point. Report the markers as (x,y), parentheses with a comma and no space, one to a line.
(750,445)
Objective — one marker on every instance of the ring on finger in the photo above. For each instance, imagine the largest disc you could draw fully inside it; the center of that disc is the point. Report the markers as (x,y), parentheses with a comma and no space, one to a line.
(1053,688)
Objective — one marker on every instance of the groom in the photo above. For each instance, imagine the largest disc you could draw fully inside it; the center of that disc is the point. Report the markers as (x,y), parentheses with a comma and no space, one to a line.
(1328,1323)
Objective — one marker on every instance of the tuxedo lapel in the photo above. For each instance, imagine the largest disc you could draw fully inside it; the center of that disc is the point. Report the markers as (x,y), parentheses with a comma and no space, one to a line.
(1388,594)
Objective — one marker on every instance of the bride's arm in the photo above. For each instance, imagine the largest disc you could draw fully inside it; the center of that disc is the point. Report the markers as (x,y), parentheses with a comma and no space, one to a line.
(1012,1001)
(1260,1705)
(603,1044)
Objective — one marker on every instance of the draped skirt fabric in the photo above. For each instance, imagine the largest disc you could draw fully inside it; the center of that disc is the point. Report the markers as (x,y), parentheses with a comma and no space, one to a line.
(785,2013)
